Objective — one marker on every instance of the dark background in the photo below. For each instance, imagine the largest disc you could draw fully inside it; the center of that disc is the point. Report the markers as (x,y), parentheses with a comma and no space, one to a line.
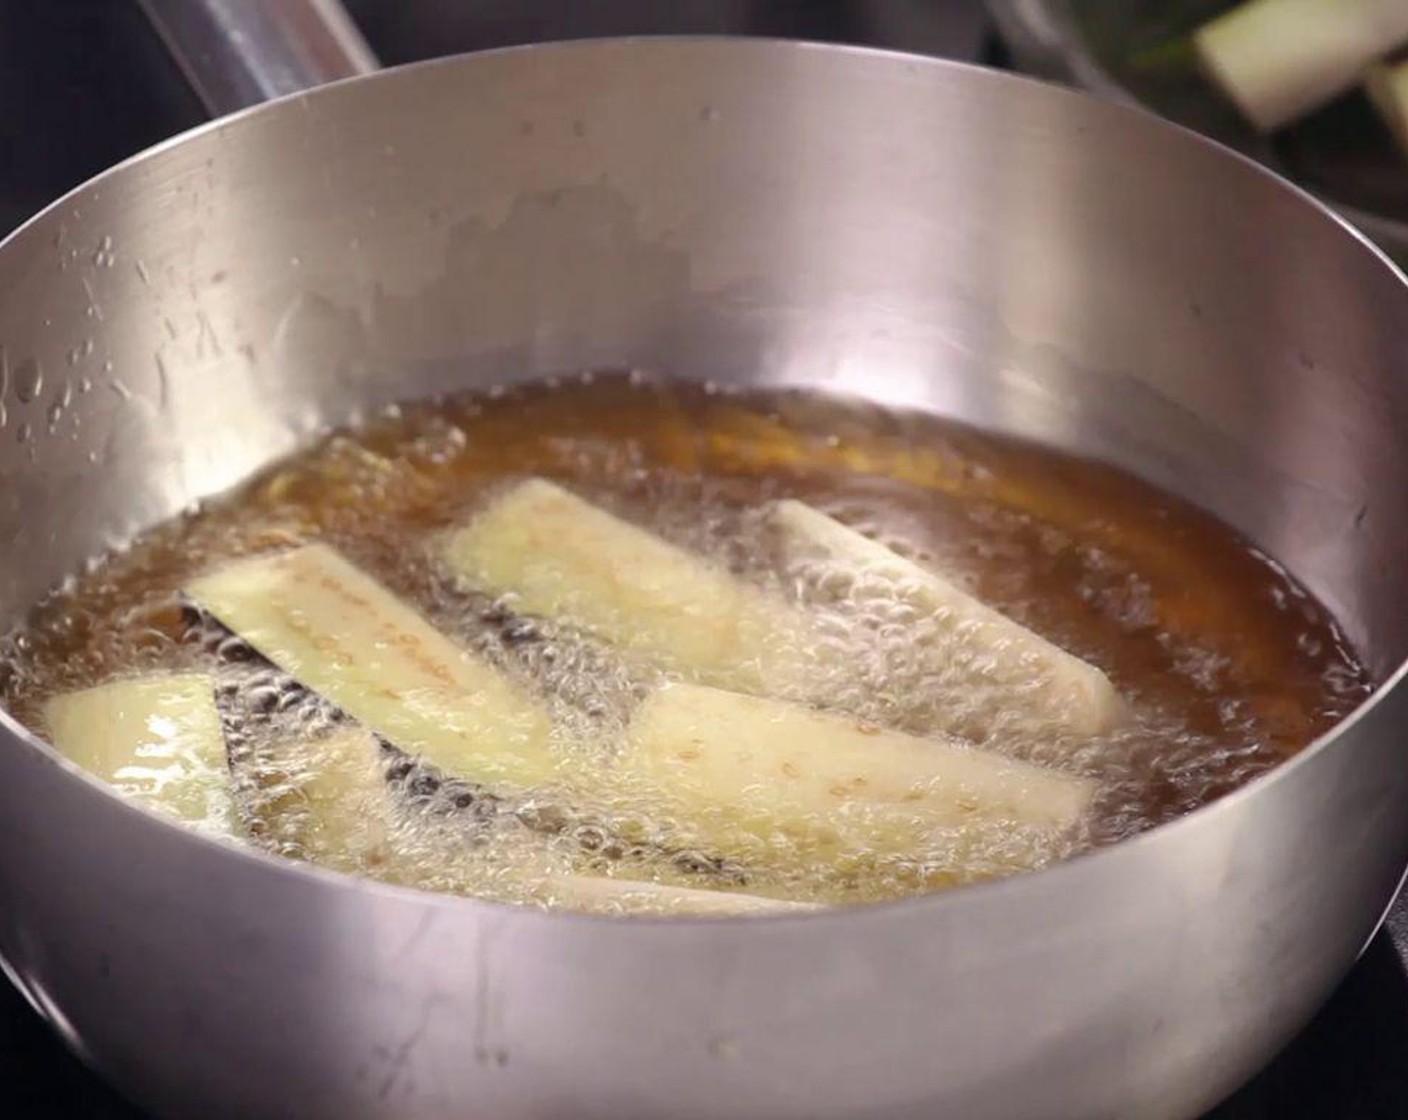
(84,84)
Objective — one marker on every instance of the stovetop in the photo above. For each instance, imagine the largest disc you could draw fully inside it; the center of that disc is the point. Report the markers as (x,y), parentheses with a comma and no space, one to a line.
(84,83)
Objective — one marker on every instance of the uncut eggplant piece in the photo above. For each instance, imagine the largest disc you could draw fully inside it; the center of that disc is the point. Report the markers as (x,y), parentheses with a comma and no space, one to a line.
(973,644)
(554,555)
(341,634)
(612,895)
(157,739)
(1277,60)
(747,774)
(1386,86)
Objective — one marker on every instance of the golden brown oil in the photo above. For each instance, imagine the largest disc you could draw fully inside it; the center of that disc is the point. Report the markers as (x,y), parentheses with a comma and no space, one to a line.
(1229,666)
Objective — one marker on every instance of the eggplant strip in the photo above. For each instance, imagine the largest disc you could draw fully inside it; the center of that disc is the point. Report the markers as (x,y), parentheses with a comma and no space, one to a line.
(157,739)
(745,771)
(337,631)
(972,645)
(551,554)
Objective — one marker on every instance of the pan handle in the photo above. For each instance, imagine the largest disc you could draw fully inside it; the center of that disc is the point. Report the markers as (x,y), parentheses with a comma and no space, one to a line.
(238,53)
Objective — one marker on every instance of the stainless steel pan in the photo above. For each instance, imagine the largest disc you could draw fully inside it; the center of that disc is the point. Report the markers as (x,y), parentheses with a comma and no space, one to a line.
(921,233)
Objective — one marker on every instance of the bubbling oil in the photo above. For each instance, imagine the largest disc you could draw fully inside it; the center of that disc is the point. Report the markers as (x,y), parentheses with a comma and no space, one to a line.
(1228,666)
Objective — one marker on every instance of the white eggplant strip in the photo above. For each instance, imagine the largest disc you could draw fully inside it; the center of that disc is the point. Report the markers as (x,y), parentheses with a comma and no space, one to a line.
(1048,686)
(743,770)
(337,631)
(158,739)
(557,556)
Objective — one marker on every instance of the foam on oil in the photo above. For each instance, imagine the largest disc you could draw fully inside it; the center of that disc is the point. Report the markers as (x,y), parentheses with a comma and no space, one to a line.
(1228,665)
